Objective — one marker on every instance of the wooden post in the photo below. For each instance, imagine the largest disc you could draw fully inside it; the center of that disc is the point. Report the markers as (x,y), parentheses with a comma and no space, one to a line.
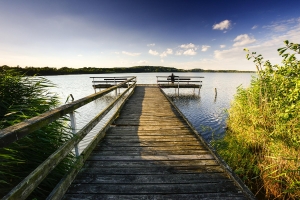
(94,85)
(116,92)
(216,93)
(178,85)
(73,126)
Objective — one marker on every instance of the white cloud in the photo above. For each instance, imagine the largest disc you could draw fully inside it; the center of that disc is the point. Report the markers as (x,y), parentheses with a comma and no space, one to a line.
(222,46)
(187,46)
(151,45)
(153,52)
(130,54)
(190,49)
(190,52)
(178,53)
(142,62)
(254,27)
(230,54)
(167,52)
(117,53)
(79,55)
(235,58)
(243,40)
(222,25)
(281,26)
(205,47)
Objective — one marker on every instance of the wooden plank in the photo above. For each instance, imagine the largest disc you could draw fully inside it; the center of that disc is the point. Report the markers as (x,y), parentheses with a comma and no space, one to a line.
(151,179)
(155,170)
(155,157)
(204,196)
(147,144)
(149,139)
(145,137)
(147,148)
(147,163)
(149,152)
(220,187)
(165,132)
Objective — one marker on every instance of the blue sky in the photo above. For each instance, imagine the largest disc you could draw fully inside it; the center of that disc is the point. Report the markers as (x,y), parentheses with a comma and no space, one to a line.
(123,33)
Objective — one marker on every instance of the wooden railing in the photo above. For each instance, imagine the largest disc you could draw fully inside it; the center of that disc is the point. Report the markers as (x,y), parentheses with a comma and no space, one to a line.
(16,132)
(106,82)
(179,82)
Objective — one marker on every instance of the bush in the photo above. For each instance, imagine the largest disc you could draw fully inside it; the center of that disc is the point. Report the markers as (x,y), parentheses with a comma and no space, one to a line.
(262,142)
(22,98)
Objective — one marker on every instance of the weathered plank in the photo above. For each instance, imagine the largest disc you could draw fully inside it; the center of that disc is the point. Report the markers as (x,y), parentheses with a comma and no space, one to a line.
(150,152)
(157,170)
(148,163)
(203,196)
(166,188)
(152,178)
(148,148)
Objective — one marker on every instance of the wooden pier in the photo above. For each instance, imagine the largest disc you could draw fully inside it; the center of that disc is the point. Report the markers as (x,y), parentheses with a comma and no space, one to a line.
(146,150)
(151,152)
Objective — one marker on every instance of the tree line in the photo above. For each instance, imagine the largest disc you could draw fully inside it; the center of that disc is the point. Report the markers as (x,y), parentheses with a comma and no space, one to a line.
(44,71)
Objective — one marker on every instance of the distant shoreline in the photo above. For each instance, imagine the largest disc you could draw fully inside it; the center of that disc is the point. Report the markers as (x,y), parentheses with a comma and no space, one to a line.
(46,71)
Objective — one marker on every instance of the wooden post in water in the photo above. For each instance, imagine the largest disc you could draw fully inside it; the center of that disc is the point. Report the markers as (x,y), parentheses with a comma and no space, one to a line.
(199,90)
(216,93)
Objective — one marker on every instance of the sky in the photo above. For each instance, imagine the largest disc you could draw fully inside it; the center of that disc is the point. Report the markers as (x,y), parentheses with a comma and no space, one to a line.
(186,34)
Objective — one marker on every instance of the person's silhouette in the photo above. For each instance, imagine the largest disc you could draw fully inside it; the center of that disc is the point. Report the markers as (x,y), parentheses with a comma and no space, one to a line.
(172,77)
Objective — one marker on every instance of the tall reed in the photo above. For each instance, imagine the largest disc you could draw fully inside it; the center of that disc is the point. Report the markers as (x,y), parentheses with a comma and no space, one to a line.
(262,140)
(22,98)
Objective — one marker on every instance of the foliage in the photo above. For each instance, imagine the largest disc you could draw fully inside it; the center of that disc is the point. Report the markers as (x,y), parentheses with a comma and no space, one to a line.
(22,98)
(42,71)
(262,142)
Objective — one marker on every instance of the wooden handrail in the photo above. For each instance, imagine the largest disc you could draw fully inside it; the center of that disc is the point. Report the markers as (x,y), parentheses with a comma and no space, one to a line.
(25,187)
(181,76)
(62,186)
(18,131)
(183,81)
(108,81)
(112,77)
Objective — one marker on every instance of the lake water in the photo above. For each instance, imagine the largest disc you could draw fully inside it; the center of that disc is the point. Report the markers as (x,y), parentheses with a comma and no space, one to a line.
(206,112)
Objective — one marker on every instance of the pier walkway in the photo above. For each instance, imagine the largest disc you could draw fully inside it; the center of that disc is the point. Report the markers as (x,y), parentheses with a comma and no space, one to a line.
(150,152)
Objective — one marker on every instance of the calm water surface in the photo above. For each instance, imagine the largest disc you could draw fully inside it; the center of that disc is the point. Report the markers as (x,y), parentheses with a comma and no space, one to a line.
(206,112)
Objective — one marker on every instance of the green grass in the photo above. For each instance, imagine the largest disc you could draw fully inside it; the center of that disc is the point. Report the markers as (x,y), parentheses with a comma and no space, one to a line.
(22,98)
(262,140)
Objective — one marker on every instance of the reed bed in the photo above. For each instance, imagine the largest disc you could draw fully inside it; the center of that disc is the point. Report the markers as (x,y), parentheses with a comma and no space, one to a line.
(22,98)
(262,140)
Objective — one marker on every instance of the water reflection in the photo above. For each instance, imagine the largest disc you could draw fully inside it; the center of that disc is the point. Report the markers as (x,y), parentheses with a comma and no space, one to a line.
(205,111)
